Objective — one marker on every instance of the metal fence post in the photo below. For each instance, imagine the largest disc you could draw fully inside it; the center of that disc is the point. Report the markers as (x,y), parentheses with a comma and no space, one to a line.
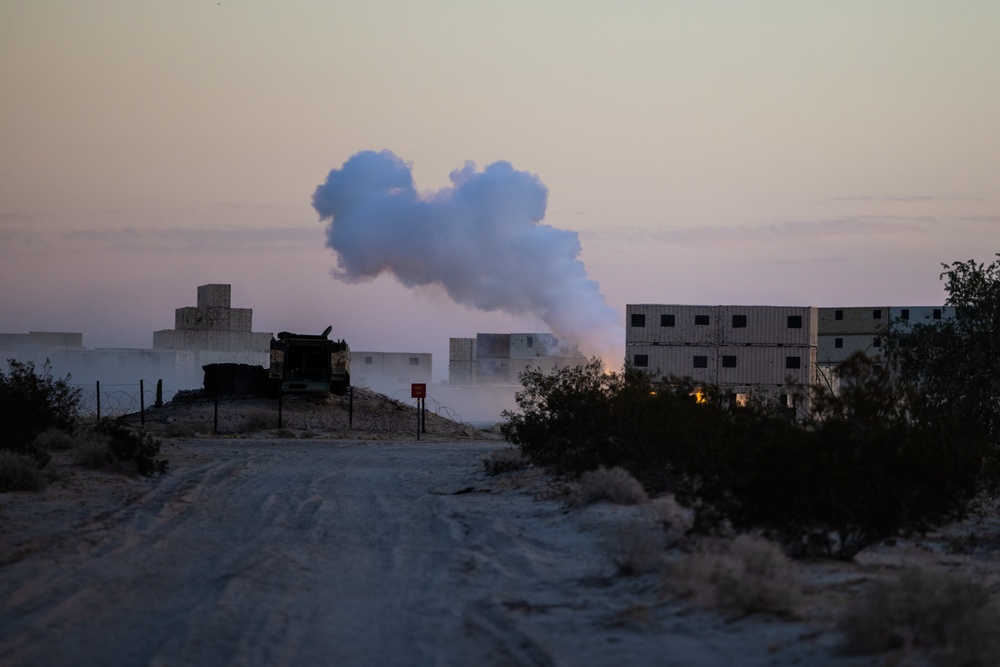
(142,404)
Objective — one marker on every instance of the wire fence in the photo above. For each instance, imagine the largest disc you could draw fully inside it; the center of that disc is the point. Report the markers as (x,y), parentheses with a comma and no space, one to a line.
(232,415)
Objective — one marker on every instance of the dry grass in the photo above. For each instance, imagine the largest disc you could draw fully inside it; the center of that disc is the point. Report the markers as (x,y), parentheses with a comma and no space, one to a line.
(54,440)
(616,485)
(91,450)
(19,472)
(504,460)
(635,548)
(746,575)
(950,619)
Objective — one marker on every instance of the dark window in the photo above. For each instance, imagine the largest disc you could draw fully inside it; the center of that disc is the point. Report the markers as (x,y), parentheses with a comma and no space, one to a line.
(876,342)
(905,313)
(838,314)
(531,341)
(793,362)
(794,321)
(368,360)
(729,361)
(667,320)
(638,320)
(641,360)
(739,321)
(838,342)
(876,314)
(700,361)
(701,320)
(937,313)
(414,361)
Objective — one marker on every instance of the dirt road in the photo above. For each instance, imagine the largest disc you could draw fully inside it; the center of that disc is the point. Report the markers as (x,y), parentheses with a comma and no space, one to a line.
(293,552)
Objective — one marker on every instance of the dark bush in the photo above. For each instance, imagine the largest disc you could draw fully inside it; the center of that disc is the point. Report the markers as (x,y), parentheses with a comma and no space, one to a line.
(131,449)
(870,461)
(19,472)
(32,402)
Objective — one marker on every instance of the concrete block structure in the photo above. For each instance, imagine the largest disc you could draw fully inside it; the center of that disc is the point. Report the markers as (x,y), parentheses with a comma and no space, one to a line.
(214,326)
(390,372)
(498,358)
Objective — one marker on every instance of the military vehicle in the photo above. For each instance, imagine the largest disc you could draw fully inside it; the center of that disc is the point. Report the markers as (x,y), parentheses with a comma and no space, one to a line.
(309,364)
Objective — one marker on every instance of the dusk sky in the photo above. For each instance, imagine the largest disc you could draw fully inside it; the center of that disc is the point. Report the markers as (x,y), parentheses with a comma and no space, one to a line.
(772,153)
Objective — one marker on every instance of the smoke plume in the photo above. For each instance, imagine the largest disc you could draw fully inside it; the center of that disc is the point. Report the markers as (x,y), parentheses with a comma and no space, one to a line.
(481,239)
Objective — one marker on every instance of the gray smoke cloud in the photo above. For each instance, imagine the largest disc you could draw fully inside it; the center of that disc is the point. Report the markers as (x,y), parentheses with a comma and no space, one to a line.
(481,240)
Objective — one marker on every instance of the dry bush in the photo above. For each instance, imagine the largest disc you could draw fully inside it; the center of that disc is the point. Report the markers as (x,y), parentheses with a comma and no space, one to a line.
(950,618)
(504,460)
(616,485)
(92,450)
(746,575)
(180,429)
(255,419)
(635,548)
(54,439)
(19,472)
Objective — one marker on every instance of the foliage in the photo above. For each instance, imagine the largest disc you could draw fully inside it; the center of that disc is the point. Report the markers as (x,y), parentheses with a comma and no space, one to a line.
(871,460)
(508,459)
(30,403)
(131,450)
(952,619)
(19,472)
(956,360)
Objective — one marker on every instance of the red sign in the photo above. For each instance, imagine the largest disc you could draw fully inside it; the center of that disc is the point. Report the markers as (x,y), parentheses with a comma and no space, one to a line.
(418,390)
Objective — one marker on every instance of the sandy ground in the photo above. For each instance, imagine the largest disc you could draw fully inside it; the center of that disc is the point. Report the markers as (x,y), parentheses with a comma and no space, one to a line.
(358,552)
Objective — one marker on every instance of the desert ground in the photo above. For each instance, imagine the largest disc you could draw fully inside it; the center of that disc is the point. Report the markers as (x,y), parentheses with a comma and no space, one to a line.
(370,548)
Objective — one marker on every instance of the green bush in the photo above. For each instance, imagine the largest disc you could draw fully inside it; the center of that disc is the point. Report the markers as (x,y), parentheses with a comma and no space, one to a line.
(952,619)
(30,403)
(19,472)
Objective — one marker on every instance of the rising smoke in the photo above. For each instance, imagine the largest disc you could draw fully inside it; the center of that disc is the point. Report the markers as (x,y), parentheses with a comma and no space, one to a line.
(481,239)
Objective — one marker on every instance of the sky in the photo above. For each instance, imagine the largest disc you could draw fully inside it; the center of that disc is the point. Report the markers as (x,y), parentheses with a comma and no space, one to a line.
(765,153)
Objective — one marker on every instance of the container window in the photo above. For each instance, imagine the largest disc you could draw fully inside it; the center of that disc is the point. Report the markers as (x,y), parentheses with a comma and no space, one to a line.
(905,313)
(638,320)
(701,320)
(729,361)
(937,313)
(838,314)
(876,314)
(793,362)
(369,360)
(667,320)
(531,341)
(700,361)
(794,321)
(876,342)
(838,342)
(640,360)
(414,361)
(739,321)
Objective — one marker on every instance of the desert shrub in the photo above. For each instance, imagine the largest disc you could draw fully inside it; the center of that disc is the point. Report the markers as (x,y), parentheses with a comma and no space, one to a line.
(132,450)
(746,575)
(54,439)
(870,460)
(19,472)
(504,460)
(635,547)
(255,419)
(613,484)
(91,450)
(30,402)
(180,429)
(950,618)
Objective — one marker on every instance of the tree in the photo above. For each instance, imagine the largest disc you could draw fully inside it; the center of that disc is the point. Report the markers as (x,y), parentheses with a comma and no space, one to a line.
(31,402)
(956,361)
